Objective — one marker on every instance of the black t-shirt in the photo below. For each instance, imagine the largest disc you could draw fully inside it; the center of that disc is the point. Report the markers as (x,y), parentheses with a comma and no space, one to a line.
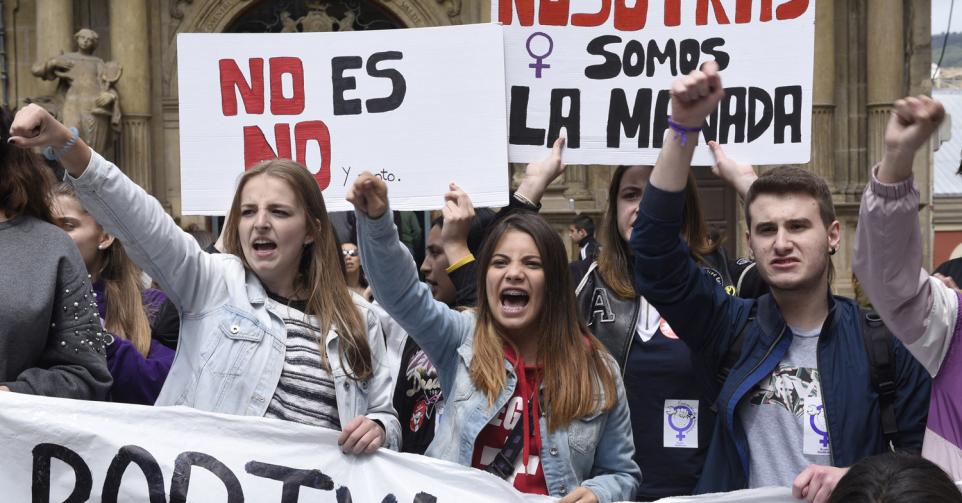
(671,457)
(417,398)
(166,326)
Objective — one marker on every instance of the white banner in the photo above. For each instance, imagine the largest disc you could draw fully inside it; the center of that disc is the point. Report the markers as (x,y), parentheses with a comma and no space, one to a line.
(74,451)
(67,450)
(598,72)
(418,107)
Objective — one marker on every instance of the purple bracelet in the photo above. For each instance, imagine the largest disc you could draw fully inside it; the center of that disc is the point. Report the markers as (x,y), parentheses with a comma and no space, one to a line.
(681,131)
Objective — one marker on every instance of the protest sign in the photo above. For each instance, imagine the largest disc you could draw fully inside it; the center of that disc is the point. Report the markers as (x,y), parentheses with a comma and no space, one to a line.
(598,72)
(70,450)
(418,107)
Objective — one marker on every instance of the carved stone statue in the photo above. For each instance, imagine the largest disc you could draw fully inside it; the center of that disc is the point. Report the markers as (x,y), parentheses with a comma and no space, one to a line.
(86,96)
(317,19)
(289,24)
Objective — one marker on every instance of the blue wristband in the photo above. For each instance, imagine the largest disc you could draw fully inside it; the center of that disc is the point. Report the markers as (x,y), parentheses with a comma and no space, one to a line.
(52,154)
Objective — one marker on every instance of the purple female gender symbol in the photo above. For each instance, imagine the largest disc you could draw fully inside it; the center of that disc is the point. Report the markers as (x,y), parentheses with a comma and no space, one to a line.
(823,434)
(684,429)
(538,65)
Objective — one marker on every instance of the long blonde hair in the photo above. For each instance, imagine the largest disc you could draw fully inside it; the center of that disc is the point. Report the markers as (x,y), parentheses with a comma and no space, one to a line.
(126,315)
(321,271)
(572,358)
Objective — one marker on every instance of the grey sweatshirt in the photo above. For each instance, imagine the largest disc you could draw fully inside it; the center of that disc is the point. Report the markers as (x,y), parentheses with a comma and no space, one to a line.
(51,340)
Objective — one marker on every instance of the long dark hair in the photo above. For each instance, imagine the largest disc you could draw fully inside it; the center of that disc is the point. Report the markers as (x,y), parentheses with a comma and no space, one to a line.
(571,356)
(25,182)
(614,260)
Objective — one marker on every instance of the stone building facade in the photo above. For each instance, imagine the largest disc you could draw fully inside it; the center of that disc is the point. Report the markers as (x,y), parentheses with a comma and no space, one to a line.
(868,53)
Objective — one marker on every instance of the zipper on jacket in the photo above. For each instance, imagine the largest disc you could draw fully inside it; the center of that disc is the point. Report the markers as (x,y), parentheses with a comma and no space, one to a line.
(632,330)
(821,390)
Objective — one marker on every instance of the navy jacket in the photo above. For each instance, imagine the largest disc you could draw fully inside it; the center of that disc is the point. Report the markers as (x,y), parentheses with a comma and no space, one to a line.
(708,320)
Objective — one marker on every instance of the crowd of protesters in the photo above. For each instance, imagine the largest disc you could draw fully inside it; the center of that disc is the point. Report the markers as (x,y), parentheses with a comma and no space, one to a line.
(654,365)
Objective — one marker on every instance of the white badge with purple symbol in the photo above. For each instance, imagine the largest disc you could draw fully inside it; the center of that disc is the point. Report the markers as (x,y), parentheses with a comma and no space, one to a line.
(681,424)
(816,431)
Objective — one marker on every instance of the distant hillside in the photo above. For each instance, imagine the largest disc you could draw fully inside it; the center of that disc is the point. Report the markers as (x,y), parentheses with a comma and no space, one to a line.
(953,50)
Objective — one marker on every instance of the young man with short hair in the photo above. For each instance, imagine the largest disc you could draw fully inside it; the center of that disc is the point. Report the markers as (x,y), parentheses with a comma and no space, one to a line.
(794,395)
(581,231)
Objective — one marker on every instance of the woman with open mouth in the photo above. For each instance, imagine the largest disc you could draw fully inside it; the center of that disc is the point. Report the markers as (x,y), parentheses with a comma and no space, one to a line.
(532,396)
(267,329)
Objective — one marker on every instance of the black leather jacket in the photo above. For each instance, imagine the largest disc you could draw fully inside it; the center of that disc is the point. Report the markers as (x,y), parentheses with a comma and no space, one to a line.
(612,319)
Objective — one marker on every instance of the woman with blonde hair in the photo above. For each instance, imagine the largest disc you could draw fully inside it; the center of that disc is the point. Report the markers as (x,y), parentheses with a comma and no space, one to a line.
(268,328)
(138,363)
(531,396)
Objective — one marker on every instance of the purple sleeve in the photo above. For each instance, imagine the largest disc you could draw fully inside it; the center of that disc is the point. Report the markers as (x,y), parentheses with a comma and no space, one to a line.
(888,257)
(153,300)
(138,379)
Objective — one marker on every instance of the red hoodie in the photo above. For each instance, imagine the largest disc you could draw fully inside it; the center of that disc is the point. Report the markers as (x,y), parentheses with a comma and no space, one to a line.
(528,474)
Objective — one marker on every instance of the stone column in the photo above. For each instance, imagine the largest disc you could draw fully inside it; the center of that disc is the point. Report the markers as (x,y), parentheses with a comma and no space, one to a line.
(918,17)
(576,178)
(823,99)
(129,45)
(885,72)
(54,35)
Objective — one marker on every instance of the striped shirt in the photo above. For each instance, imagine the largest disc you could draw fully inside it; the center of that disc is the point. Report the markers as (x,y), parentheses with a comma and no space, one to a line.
(305,392)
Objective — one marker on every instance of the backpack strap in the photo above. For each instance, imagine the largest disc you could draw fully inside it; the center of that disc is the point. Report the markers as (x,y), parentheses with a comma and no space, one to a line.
(584,279)
(881,359)
(741,279)
(503,463)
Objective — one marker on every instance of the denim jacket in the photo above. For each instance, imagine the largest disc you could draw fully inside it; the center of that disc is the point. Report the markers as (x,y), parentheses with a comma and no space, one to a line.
(232,343)
(594,451)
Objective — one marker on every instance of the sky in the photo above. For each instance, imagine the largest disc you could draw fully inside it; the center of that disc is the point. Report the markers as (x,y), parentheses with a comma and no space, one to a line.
(940,16)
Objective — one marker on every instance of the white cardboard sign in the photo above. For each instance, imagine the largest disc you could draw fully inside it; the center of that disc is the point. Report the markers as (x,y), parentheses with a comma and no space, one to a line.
(598,72)
(418,107)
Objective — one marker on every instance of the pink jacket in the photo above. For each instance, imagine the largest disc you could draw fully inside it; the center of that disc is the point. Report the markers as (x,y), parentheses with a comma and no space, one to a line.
(919,309)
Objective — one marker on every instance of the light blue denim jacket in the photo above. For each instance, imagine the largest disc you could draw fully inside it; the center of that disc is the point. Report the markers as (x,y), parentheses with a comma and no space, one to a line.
(594,451)
(232,340)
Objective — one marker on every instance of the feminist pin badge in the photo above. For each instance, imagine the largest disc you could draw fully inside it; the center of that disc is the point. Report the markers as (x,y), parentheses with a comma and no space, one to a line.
(680,427)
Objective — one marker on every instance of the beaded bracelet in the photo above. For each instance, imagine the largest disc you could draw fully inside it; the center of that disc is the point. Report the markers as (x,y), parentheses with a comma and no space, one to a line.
(526,202)
(681,131)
